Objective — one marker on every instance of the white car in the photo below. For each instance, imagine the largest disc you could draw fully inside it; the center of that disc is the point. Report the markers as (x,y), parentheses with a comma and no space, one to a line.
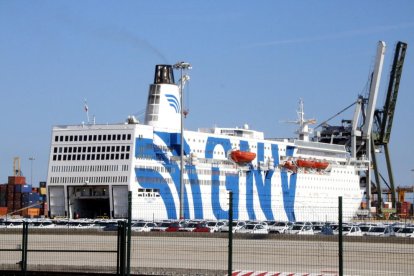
(405,232)
(143,226)
(215,226)
(301,228)
(236,225)
(280,227)
(381,231)
(350,230)
(253,229)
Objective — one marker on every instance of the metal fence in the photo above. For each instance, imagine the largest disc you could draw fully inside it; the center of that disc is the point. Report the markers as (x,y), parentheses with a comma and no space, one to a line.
(72,249)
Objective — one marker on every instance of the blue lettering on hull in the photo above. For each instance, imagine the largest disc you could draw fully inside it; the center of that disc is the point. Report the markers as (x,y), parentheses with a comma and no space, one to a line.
(152,179)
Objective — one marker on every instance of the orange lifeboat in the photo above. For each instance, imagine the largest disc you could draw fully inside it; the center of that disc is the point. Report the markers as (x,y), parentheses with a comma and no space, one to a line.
(321,165)
(239,156)
(290,166)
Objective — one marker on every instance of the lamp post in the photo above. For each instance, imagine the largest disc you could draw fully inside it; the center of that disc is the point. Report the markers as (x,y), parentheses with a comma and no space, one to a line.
(182,66)
(31,159)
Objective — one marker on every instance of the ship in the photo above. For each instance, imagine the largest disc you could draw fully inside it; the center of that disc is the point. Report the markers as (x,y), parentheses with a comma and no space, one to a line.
(174,173)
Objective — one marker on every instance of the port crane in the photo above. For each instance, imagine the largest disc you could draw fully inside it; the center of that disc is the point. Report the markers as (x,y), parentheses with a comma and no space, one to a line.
(383,119)
(363,139)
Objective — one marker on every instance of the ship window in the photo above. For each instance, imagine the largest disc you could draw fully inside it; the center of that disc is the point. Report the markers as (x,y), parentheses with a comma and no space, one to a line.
(128,148)
(55,150)
(104,137)
(85,138)
(93,156)
(80,138)
(113,137)
(119,137)
(98,149)
(56,138)
(70,149)
(76,138)
(71,138)
(94,137)
(107,156)
(102,156)
(109,137)
(78,157)
(112,156)
(93,149)
(113,149)
(123,148)
(122,156)
(127,156)
(83,157)
(117,148)
(129,136)
(69,157)
(117,156)
(54,157)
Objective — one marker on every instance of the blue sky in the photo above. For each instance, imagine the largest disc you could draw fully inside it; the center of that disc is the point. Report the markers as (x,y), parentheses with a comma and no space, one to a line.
(252,61)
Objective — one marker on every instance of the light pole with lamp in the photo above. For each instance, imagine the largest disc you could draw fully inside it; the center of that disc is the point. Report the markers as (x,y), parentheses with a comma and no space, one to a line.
(182,66)
(31,159)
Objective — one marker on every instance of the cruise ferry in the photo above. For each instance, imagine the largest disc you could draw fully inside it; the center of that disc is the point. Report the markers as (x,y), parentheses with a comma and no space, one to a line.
(93,167)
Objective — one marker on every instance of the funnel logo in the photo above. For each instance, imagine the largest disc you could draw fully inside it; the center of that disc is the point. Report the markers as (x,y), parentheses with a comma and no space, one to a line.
(172,100)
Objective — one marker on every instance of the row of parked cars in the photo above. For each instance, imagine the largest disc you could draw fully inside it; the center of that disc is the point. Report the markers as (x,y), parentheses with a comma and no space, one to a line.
(397,229)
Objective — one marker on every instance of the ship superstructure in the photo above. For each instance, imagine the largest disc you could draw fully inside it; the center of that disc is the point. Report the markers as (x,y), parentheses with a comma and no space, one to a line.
(92,167)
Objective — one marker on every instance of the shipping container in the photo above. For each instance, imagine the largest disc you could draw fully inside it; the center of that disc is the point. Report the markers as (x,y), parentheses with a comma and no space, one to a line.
(3,211)
(42,191)
(23,188)
(31,212)
(17,180)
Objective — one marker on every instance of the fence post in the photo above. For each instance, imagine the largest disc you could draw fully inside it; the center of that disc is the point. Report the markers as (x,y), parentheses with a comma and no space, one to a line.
(230,252)
(121,248)
(340,242)
(24,247)
(129,234)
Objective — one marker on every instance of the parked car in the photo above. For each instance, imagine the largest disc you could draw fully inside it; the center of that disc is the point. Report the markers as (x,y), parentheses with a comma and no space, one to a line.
(301,228)
(143,226)
(236,225)
(326,230)
(162,226)
(253,229)
(280,227)
(350,230)
(175,227)
(202,227)
(381,231)
(215,226)
(405,232)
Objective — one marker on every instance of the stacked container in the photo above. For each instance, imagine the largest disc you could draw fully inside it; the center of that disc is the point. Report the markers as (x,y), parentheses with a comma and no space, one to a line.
(19,198)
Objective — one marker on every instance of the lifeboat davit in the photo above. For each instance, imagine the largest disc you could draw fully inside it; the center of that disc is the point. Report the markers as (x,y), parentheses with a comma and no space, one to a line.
(239,156)
(321,165)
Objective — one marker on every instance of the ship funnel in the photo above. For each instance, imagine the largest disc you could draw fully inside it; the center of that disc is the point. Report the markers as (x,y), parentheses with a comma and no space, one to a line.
(163,105)
(164,74)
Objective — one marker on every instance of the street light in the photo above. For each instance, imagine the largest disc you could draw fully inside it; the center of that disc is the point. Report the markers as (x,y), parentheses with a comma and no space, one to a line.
(182,66)
(31,169)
